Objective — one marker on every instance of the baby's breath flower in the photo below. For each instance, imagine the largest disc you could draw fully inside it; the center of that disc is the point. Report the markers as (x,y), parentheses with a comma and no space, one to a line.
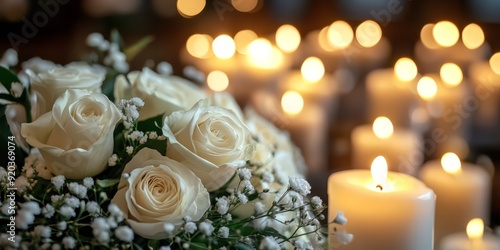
(302,245)
(269,243)
(124,233)
(259,207)
(31,206)
(94,39)
(224,232)
(62,225)
(340,218)
(229,217)
(164,68)
(99,225)
(56,198)
(244,173)
(103,237)
(129,150)
(153,135)
(21,184)
(67,211)
(268,177)
(243,198)
(206,228)
(58,181)
(136,101)
(222,205)
(249,189)
(316,202)
(24,219)
(77,189)
(92,207)
(164,248)
(42,231)
(343,237)
(169,228)
(72,202)
(190,227)
(300,185)
(69,242)
(88,182)
(56,247)
(112,160)
(48,211)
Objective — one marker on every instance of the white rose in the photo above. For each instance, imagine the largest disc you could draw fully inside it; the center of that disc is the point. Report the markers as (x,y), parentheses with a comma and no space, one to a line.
(159,190)
(211,141)
(161,94)
(76,137)
(274,138)
(226,100)
(49,85)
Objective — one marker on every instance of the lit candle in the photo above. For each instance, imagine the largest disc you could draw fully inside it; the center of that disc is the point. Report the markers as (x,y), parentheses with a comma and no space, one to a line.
(390,92)
(439,43)
(463,192)
(449,106)
(473,239)
(485,77)
(312,83)
(391,211)
(370,49)
(402,148)
(305,122)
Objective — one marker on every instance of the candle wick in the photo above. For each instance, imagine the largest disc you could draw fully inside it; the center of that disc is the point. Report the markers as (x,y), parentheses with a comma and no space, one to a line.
(380,187)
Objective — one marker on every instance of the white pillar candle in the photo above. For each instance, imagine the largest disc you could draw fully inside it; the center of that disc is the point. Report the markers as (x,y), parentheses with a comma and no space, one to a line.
(402,148)
(486,85)
(473,239)
(305,123)
(391,92)
(463,192)
(437,47)
(400,216)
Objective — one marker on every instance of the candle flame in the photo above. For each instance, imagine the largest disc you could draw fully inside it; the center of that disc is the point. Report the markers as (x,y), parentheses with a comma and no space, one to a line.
(473,36)
(427,88)
(379,172)
(217,80)
(405,69)
(495,63)
(368,33)
(312,69)
(292,102)
(223,47)
(451,74)
(427,38)
(340,34)
(475,229)
(446,33)
(451,163)
(242,39)
(198,45)
(189,8)
(382,127)
(287,38)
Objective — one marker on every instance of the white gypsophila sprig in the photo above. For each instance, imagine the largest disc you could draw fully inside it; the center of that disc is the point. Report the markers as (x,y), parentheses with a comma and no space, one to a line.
(58,181)
(77,189)
(124,233)
(299,185)
(206,228)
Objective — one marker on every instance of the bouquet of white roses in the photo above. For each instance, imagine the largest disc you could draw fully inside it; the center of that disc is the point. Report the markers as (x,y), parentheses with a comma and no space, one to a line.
(96,156)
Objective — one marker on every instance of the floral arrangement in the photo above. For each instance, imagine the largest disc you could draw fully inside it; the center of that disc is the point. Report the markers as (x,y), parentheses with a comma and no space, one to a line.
(94,156)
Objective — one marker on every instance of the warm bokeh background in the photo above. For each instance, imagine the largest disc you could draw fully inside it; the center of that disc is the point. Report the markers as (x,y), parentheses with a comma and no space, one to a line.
(62,39)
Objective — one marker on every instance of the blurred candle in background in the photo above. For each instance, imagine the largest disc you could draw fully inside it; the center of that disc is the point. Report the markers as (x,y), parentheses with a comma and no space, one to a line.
(463,191)
(390,92)
(474,238)
(402,148)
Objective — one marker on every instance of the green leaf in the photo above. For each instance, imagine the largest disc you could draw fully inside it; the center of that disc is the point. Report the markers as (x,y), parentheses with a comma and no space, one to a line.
(107,182)
(8,97)
(243,246)
(132,51)
(7,77)
(116,37)
(151,124)
(108,85)
(153,244)
(268,231)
